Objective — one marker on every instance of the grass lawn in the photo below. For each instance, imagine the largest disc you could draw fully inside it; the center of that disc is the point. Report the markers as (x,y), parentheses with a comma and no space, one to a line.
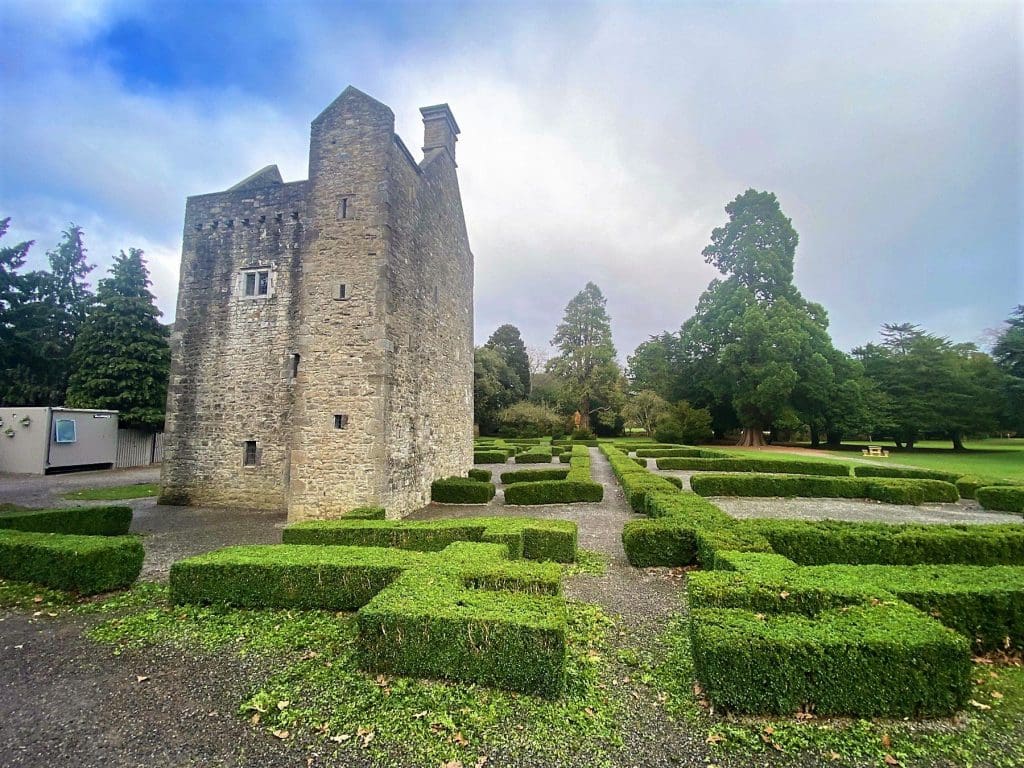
(116,492)
(998,459)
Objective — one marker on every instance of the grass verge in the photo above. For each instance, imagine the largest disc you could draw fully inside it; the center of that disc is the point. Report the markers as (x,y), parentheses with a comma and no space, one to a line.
(115,492)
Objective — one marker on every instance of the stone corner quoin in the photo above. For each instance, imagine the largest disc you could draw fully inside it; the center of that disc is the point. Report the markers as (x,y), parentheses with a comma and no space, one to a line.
(322,355)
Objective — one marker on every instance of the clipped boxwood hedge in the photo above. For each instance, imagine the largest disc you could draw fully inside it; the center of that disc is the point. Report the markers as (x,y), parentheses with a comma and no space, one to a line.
(365,513)
(872,470)
(490,457)
(84,564)
(1003,498)
(107,520)
(744,464)
(659,453)
(482,475)
(465,613)
(534,475)
(554,492)
(526,537)
(534,456)
(878,660)
(461,490)
(824,487)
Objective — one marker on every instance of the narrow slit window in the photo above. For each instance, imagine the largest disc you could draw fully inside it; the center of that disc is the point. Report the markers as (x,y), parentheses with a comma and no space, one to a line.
(295,365)
(249,457)
(340,420)
(341,292)
(343,208)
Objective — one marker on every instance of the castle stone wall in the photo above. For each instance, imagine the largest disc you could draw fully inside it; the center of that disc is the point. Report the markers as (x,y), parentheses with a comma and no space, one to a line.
(380,401)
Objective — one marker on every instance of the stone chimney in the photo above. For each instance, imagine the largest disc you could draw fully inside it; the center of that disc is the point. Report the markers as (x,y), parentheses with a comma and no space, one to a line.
(440,131)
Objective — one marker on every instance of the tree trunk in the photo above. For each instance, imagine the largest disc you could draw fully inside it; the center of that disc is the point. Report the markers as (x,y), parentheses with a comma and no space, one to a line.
(815,437)
(834,439)
(910,443)
(752,437)
(958,441)
(585,414)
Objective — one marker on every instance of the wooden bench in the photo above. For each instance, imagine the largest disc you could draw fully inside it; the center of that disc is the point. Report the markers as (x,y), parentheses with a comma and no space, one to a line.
(875,451)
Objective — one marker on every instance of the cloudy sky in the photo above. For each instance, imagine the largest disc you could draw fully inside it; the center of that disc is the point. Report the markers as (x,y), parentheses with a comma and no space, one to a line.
(600,141)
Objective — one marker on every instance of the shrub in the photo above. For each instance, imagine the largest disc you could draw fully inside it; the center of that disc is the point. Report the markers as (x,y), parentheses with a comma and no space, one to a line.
(108,520)
(534,475)
(537,455)
(669,430)
(582,434)
(658,453)
(490,457)
(875,660)
(461,490)
(825,487)
(829,541)
(676,481)
(870,470)
(84,564)
(1002,498)
(523,536)
(526,419)
(482,475)
(366,513)
(553,492)
(744,464)
(465,613)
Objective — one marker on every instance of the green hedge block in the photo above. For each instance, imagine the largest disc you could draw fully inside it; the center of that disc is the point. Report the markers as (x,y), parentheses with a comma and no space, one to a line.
(875,660)
(465,613)
(554,492)
(676,481)
(871,470)
(365,513)
(829,541)
(659,453)
(534,457)
(507,640)
(461,490)
(534,475)
(84,564)
(640,462)
(490,457)
(107,520)
(667,542)
(525,537)
(822,487)
(985,604)
(481,475)
(1001,498)
(744,464)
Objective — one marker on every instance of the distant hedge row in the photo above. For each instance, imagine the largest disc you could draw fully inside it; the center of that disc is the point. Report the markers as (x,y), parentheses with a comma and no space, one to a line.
(889,490)
(555,486)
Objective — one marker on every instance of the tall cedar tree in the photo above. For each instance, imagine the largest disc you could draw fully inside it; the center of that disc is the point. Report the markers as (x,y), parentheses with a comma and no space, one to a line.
(508,342)
(586,359)
(754,341)
(121,358)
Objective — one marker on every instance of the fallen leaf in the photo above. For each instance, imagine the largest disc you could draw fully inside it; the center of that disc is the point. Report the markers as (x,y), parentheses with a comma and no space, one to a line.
(418,715)
(481,761)
(459,739)
(255,719)
(283,704)
(341,738)
(783,594)
(886,741)
(978,705)
(282,734)
(589,711)
(715,738)
(890,760)
(452,764)
(996,695)
(37,599)
(141,678)
(834,756)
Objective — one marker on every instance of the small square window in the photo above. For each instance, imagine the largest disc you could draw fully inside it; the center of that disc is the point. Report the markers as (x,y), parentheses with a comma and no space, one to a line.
(256,283)
(64,431)
(249,457)
(340,420)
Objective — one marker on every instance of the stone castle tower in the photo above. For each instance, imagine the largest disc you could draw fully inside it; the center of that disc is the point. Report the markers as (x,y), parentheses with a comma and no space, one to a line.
(322,354)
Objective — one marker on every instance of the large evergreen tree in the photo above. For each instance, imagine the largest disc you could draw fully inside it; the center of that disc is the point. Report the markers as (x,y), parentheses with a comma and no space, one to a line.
(495,387)
(121,356)
(1008,353)
(586,359)
(14,294)
(508,342)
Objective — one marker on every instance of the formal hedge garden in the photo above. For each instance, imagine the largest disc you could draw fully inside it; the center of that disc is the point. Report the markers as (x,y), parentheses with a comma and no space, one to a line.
(837,618)
(555,485)
(474,599)
(77,549)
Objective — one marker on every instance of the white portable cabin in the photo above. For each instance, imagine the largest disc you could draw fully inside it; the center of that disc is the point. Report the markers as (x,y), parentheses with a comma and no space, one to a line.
(40,440)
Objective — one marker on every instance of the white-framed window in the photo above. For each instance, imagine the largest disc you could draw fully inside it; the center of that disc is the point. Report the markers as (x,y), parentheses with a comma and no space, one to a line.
(64,431)
(257,283)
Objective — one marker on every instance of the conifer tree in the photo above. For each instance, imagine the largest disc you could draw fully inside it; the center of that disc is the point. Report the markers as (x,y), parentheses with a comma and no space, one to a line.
(121,357)
(508,342)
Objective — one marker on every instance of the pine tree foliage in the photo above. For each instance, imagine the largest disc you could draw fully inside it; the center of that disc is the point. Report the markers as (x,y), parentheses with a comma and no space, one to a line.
(508,342)
(121,357)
